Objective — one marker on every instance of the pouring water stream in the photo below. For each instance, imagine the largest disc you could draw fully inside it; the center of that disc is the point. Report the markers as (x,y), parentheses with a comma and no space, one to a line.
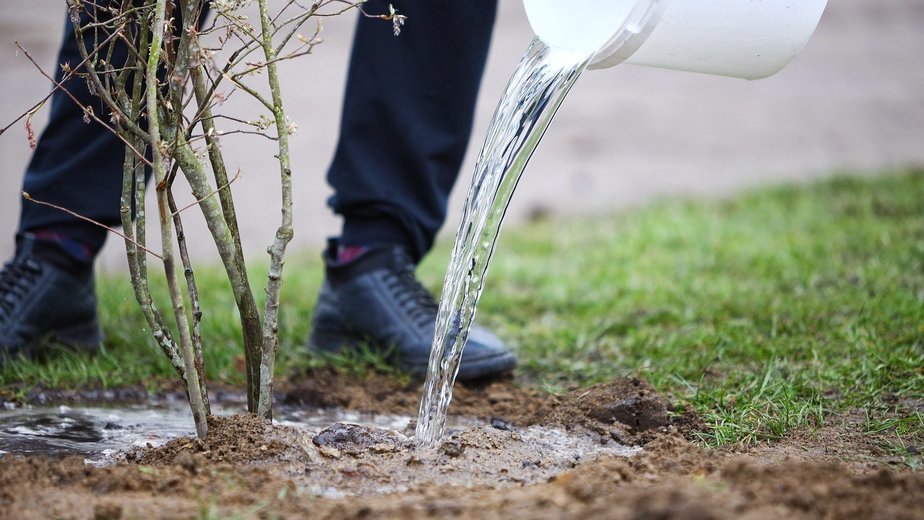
(533,95)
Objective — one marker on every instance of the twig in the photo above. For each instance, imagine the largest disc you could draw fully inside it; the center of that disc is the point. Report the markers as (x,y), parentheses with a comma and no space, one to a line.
(284,233)
(256,95)
(240,132)
(232,61)
(137,264)
(86,110)
(193,291)
(175,212)
(397,20)
(311,44)
(228,240)
(102,92)
(193,387)
(41,102)
(28,197)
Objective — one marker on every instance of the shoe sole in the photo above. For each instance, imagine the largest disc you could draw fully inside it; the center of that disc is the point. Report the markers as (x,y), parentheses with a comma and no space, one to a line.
(333,343)
(486,367)
(330,343)
(86,338)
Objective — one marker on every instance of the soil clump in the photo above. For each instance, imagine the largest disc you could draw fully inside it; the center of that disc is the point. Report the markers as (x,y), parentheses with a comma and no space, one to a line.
(236,439)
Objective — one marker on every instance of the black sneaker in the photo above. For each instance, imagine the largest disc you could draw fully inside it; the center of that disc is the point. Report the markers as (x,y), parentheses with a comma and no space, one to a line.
(375,300)
(43,304)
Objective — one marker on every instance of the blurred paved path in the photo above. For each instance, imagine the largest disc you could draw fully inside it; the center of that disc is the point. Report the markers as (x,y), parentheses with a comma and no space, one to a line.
(853,100)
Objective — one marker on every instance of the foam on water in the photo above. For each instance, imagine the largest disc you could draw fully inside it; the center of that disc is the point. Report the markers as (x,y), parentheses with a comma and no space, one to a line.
(533,95)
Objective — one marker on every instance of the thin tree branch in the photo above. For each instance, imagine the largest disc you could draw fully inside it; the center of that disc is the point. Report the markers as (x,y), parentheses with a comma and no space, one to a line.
(102,92)
(132,177)
(86,110)
(193,387)
(41,102)
(193,291)
(259,97)
(175,212)
(283,234)
(229,244)
(29,198)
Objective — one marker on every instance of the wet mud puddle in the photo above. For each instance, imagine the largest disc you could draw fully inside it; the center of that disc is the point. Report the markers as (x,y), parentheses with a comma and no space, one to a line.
(355,453)
(97,433)
(353,460)
(335,452)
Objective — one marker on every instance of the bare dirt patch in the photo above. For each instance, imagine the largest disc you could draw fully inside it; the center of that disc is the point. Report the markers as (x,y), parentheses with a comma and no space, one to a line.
(622,409)
(843,440)
(374,392)
(670,479)
(540,457)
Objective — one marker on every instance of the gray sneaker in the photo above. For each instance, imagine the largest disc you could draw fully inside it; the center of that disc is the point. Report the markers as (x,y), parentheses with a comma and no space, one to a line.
(376,300)
(42,304)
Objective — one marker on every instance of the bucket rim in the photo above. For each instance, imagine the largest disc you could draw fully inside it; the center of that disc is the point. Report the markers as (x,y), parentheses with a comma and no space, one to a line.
(631,35)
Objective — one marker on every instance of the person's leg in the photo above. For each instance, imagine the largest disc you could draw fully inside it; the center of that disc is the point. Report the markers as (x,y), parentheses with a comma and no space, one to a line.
(76,164)
(407,116)
(47,289)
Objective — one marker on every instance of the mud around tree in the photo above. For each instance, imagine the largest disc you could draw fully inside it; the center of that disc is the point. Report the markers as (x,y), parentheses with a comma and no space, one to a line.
(532,456)
(669,479)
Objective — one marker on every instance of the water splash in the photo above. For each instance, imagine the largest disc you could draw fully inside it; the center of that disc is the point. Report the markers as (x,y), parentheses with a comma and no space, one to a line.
(533,95)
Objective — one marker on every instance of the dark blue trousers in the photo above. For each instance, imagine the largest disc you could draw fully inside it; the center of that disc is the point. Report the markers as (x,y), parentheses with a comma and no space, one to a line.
(406,121)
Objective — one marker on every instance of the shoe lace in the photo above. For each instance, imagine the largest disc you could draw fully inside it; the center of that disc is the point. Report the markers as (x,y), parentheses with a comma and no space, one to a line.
(17,277)
(420,306)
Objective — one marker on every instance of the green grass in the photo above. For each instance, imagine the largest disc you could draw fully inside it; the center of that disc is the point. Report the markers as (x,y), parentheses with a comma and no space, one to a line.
(775,309)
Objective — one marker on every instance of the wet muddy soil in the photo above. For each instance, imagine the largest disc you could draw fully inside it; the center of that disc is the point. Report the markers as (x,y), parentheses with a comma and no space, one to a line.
(608,451)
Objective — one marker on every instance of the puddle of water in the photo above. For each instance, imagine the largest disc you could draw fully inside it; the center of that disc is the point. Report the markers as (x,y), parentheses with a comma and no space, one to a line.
(97,432)
(473,454)
(63,430)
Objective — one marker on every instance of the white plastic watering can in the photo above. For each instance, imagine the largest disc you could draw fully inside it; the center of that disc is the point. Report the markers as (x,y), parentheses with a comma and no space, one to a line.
(749,39)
